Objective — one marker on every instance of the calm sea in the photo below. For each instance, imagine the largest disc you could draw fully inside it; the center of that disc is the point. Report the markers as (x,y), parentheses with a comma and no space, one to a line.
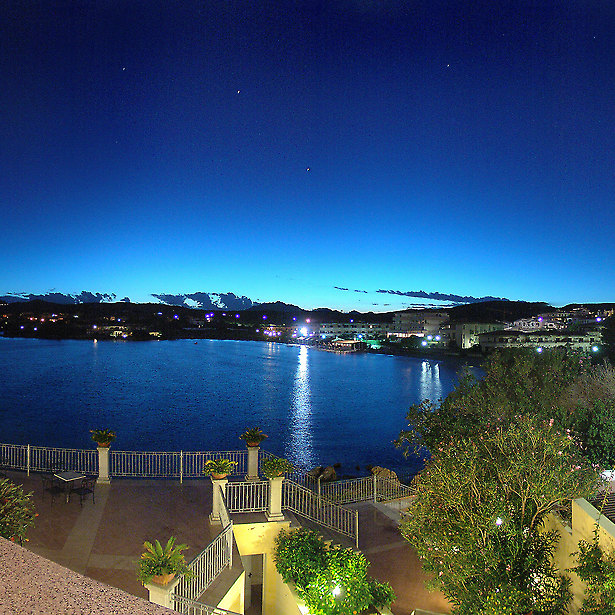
(317,407)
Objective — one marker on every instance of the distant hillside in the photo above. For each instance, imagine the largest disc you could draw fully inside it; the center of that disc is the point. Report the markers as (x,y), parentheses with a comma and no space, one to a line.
(497,311)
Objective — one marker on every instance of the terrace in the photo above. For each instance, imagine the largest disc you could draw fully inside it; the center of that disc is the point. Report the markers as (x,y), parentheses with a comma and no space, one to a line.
(103,540)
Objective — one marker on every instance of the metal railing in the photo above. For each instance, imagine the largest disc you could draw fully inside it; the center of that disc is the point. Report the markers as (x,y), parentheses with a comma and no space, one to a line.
(42,458)
(208,564)
(176,464)
(247,496)
(372,488)
(308,504)
(192,607)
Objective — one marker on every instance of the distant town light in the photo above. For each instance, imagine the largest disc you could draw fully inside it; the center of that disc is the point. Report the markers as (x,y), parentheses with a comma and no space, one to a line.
(430,337)
(236,315)
(94,327)
(423,343)
(304,331)
(499,521)
(438,338)
(539,349)
(336,591)
(264,317)
(307,320)
(598,319)
(22,327)
(295,318)
(175,316)
(595,349)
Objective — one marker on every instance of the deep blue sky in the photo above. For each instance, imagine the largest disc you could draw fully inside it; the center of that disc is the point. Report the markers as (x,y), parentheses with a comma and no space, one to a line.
(279,149)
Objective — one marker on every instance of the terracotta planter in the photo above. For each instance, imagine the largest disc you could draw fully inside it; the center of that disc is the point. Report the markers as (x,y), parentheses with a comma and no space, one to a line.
(104,444)
(163,579)
(252,443)
(218,476)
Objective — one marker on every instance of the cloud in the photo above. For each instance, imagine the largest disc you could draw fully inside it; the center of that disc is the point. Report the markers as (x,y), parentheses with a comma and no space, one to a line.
(440,296)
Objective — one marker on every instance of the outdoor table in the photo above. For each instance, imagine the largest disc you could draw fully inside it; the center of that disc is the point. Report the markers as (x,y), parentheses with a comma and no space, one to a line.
(68,479)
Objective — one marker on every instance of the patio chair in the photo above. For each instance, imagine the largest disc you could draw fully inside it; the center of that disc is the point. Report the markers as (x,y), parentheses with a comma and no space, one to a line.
(87,486)
(52,486)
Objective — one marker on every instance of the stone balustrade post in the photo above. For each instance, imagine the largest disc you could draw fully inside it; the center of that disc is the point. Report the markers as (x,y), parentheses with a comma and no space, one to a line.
(253,452)
(103,465)
(219,486)
(274,509)
(161,594)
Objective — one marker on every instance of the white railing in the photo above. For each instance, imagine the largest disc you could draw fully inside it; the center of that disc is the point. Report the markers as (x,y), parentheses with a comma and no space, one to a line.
(346,491)
(247,496)
(368,488)
(177,464)
(306,503)
(41,458)
(192,607)
(206,566)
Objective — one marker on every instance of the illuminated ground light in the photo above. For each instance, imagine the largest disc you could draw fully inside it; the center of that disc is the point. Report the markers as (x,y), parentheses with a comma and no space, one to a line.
(539,349)
(595,348)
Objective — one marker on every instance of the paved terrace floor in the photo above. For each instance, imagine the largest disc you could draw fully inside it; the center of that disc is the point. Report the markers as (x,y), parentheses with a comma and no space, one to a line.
(104,540)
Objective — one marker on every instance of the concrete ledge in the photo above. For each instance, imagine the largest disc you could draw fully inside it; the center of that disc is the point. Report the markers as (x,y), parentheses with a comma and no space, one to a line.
(31,584)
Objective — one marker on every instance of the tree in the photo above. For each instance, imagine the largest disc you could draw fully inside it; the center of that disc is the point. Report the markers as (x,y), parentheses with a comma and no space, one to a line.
(478,516)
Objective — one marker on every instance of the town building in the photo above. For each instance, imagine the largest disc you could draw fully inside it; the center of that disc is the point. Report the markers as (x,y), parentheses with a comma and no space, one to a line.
(353,330)
(418,322)
(466,334)
(586,341)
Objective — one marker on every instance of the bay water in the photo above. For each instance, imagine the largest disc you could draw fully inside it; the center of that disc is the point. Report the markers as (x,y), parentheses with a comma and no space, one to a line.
(317,407)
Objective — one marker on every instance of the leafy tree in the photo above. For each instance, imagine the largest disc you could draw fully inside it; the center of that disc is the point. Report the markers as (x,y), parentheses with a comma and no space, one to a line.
(16,511)
(600,434)
(478,516)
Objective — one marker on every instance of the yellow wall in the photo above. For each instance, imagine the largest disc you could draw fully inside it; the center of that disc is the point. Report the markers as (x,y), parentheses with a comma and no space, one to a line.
(256,538)
(233,600)
(584,517)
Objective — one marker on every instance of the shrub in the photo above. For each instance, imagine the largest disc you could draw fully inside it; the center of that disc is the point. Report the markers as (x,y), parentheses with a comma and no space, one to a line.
(16,511)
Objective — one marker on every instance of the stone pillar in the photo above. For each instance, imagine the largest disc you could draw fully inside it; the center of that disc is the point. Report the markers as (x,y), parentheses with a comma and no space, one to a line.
(103,465)
(253,462)
(161,594)
(219,485)
(274,510)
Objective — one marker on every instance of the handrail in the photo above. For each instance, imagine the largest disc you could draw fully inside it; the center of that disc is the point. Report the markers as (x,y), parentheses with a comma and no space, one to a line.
(192,607)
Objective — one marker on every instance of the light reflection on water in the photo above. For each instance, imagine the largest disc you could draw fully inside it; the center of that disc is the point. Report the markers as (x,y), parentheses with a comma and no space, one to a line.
(299,449)
(318,408)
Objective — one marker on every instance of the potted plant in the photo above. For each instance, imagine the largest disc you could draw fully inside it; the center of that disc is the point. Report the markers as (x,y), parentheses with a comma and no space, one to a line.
(219,468)
(253,437)
(160,564)
(103,437)
(275,466)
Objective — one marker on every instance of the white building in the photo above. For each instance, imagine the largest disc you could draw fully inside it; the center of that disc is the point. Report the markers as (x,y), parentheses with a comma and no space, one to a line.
(587,342)
(418,322)
(352,330)
(466,334)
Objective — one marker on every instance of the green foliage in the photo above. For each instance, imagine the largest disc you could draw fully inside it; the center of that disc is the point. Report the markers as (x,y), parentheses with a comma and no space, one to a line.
(275,466)
(332,581)
(559,385)
(299,555)
(600,434)
(253,436)
(608,338)
(16,511)
(158,560)
(597,569)
(219,466)
(478,516)
(102,436)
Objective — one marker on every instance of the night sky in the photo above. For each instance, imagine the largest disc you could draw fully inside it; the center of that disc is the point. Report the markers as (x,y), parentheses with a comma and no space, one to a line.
(281,149)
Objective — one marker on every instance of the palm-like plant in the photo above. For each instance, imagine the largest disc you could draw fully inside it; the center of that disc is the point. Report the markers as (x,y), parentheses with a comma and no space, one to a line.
(219,467)
(253,436)
(275,466)
(159,561)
